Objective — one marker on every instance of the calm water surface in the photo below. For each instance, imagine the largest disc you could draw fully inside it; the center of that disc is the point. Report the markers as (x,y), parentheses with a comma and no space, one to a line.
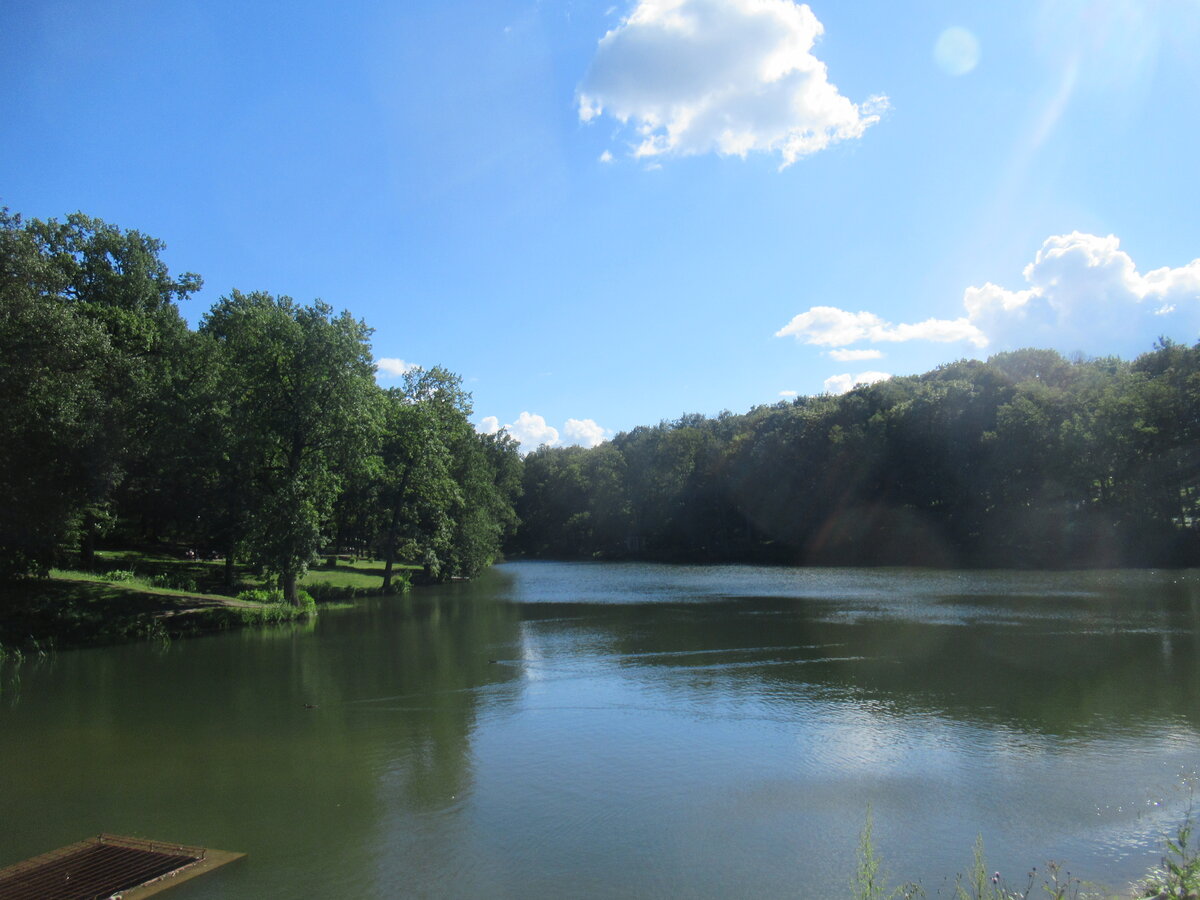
(611,730)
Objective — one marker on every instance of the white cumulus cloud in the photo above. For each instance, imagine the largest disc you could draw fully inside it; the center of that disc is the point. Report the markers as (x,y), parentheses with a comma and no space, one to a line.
(390,367)
(723,76)
(839,384)
(1082,293)
(1085,293)
(531,430)
(584,432)
(832,327)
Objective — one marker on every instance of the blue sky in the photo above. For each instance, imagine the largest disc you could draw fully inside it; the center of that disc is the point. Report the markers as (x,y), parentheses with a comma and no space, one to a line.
(606,214)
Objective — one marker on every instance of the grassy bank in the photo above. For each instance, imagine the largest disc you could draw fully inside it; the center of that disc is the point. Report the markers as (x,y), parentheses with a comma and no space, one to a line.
(73,609)
(138,595)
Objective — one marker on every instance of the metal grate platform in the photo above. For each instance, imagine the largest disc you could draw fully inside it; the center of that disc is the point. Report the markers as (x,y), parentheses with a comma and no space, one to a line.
(101,867)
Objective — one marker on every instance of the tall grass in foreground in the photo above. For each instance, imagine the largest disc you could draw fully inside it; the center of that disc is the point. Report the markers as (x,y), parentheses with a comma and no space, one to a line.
(870,880)
(1178,878)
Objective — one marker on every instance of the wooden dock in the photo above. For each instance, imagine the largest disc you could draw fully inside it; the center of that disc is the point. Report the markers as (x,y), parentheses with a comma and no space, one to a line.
(108,866)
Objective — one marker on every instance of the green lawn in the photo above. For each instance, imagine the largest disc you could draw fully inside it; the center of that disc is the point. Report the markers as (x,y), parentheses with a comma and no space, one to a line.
(361,575)
(137,585)
(365,575)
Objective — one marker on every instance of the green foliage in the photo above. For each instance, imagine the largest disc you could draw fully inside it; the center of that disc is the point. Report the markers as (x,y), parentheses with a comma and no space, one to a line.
(87,320)
(869,881)
(438,493)
(272,607)
(261,595)
(977,883)
(1026,460)
(302,386)
(1179,876)
(325,592)
(268,614)
(174,581)
(57,365)
(120,576)
(1177,879)
(262,435)
(1057,883)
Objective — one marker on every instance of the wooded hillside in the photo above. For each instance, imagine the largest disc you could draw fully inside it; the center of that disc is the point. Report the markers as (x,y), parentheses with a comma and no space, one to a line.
(1027,459)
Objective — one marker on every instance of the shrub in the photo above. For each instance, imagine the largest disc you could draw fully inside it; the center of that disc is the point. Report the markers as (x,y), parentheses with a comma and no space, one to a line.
(174,581)
(262,595)
(274,598)
(323,591)
(307,603)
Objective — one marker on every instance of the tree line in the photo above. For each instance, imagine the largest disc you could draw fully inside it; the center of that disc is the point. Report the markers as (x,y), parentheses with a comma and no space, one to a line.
(1027,459)
(260,436)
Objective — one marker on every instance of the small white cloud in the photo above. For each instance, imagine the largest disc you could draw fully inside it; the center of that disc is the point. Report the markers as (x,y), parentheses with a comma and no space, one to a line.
(832,327)
(530,430)
(389,367)
(855,355)
(584,432)
(840,384)
(723,76)
(788,394)
(606,157)
(533,431)
(956,51)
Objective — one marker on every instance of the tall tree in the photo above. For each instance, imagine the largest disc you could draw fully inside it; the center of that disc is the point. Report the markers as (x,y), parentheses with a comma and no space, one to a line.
(484,471)
(56,370)
(418,495)
(89,313)
(488,472)
(116,279)
(299,382)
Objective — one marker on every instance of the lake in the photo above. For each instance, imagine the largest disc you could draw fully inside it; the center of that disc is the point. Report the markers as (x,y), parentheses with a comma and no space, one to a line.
(633,730)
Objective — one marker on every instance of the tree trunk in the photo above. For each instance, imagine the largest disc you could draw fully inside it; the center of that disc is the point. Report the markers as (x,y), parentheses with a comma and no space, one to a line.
(287,581)
(229,567)
(389,550)
(388,555)
(87,544)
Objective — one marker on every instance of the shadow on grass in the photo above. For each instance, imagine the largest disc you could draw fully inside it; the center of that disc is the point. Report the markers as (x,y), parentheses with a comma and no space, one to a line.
(40,613)
(69,611)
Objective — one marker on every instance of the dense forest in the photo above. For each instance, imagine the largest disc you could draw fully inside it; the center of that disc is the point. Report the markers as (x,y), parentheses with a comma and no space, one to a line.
(260,436)
(1027,459)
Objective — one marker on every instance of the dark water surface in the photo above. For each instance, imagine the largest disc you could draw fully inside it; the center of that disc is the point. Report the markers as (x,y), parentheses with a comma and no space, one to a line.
(612,730)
